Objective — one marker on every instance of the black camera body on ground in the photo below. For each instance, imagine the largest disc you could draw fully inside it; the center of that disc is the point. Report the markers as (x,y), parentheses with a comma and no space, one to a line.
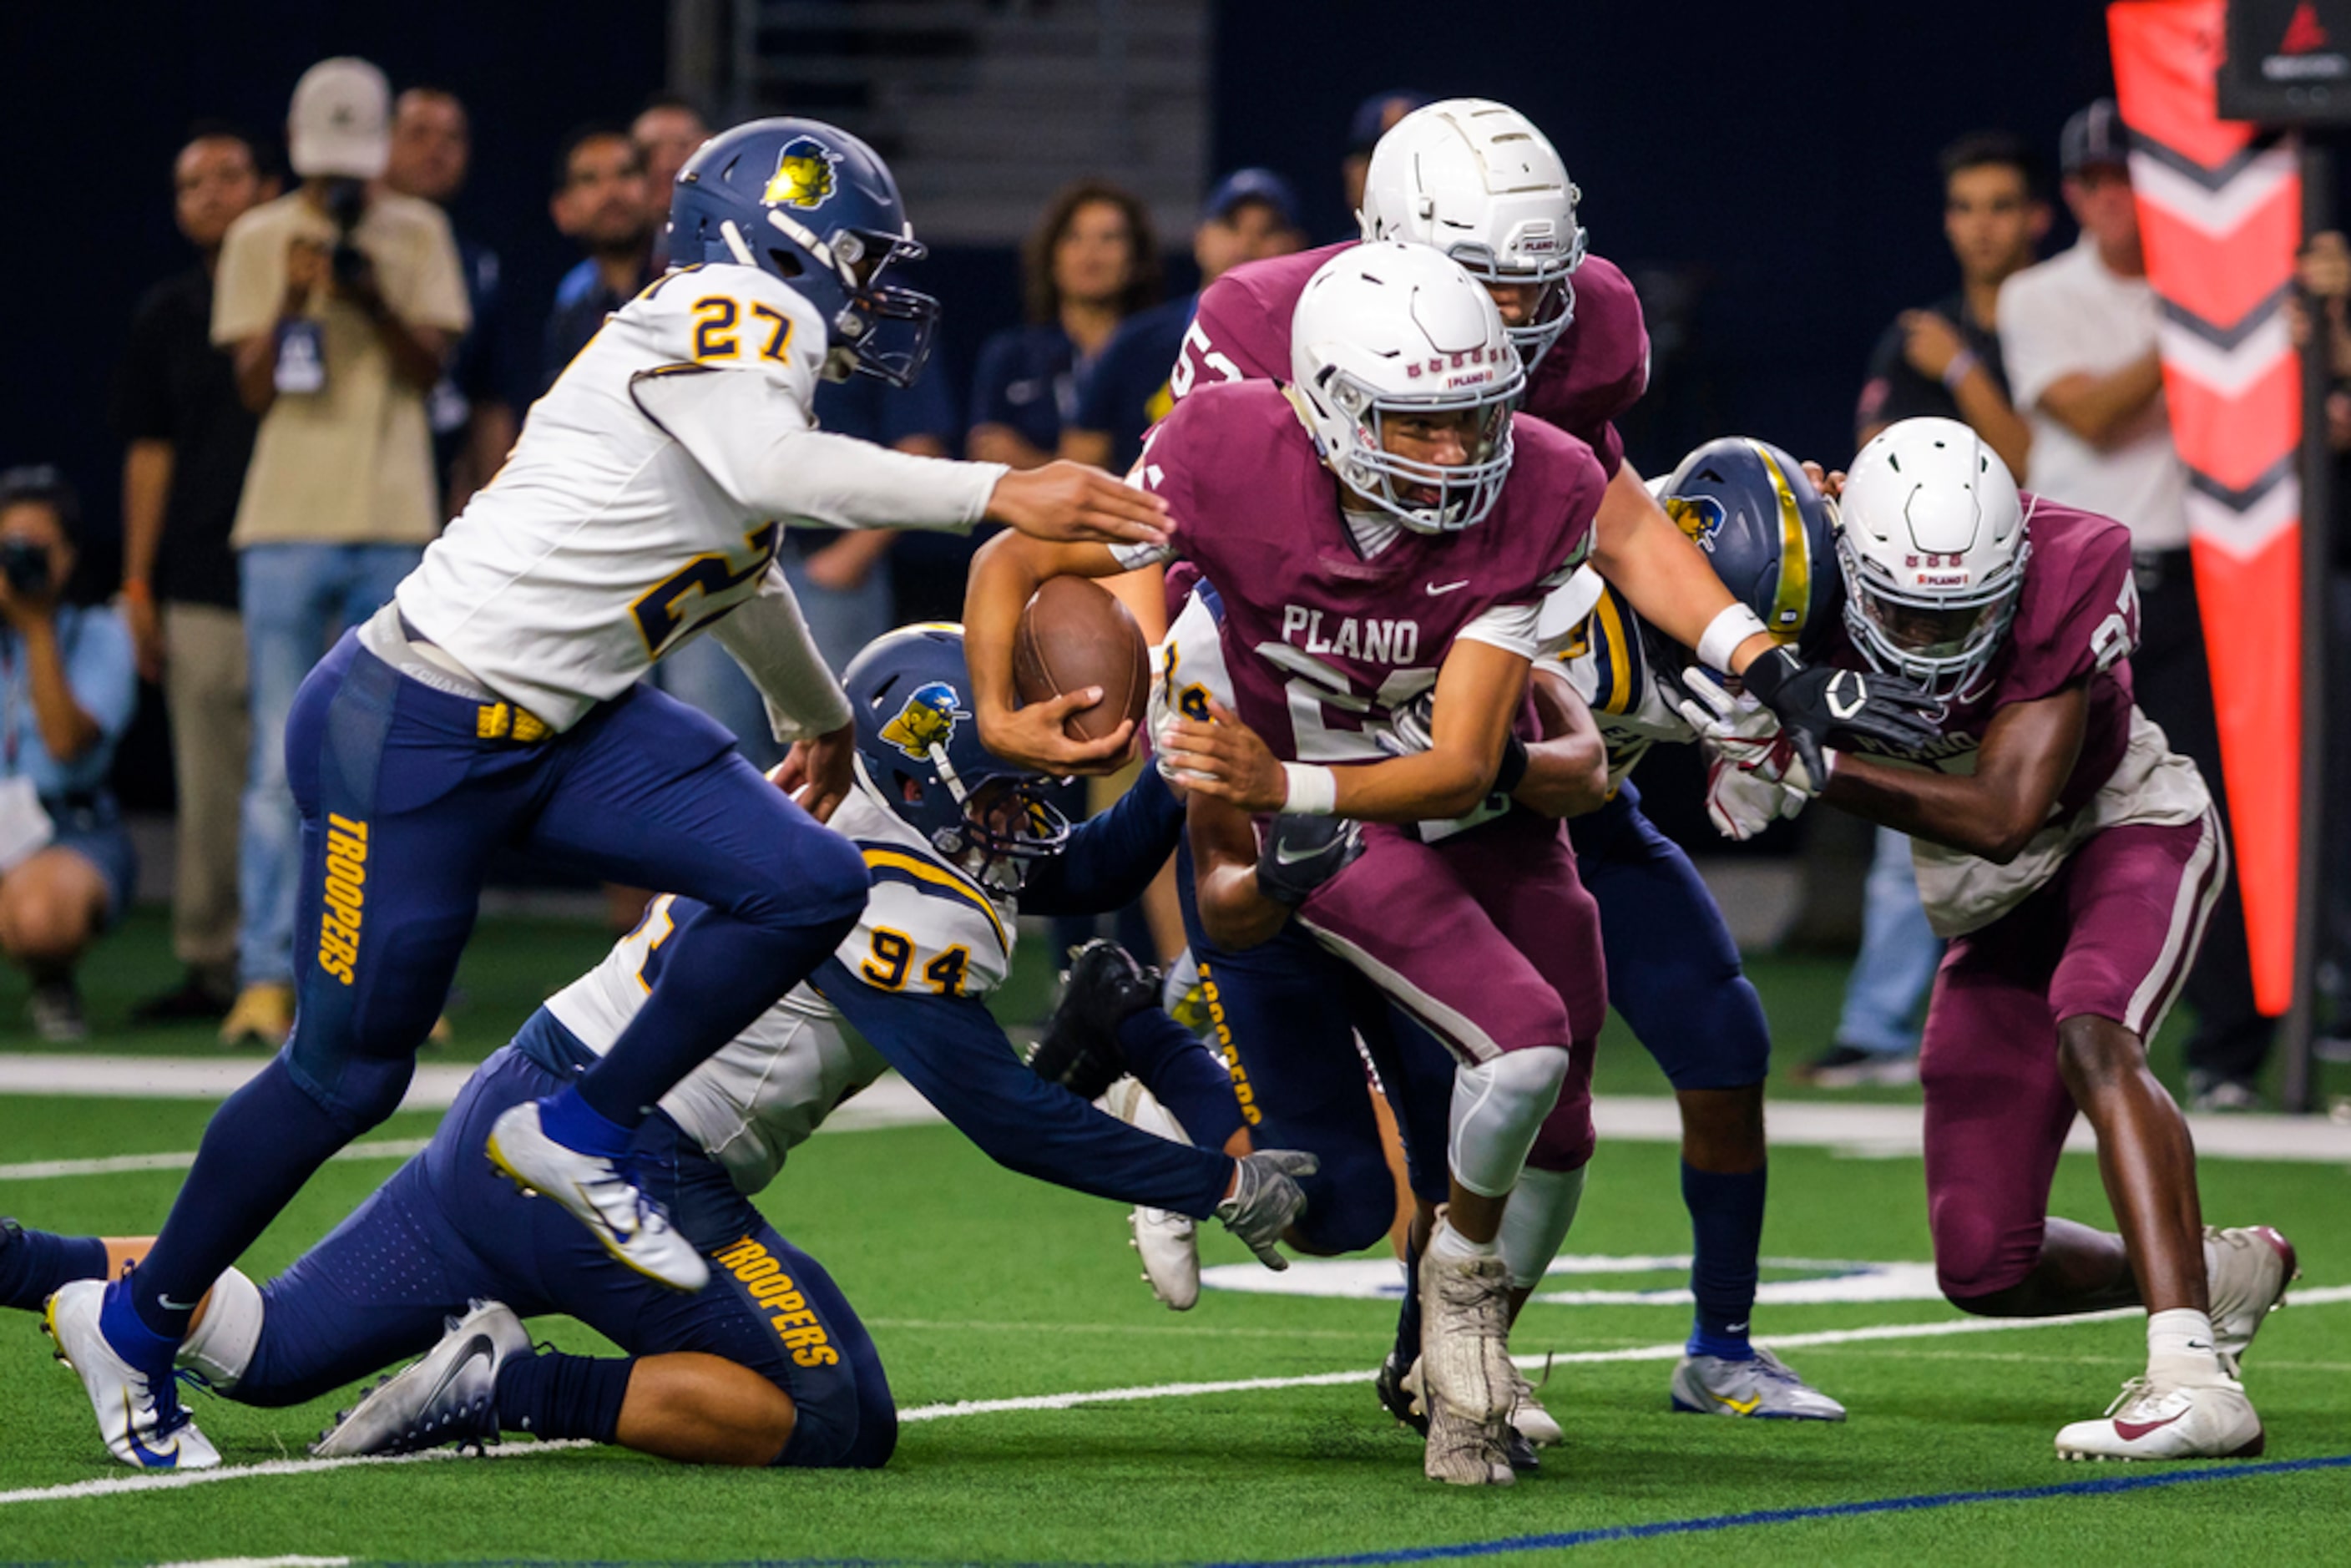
(25,565)
(346,205)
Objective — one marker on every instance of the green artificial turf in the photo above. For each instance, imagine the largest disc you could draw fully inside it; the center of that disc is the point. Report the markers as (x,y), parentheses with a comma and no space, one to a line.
(980,1285)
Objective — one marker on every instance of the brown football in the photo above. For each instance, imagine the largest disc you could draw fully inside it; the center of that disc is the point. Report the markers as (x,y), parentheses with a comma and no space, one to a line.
(1073,634)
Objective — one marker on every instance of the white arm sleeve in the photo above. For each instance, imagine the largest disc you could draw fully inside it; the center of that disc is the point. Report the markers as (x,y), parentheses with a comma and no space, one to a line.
(767,636)
(753,435)
(1510,627)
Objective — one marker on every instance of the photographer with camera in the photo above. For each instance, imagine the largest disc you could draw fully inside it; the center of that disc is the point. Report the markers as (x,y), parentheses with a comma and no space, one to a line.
(68,685)
(339,301)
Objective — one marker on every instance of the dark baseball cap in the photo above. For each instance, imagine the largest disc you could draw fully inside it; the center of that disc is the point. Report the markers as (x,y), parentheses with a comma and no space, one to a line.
(1245,186)
(1376,113)
(2094,136)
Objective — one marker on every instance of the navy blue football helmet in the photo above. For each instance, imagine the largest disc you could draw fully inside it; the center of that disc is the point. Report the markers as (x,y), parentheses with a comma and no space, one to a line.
(818,208)
(918,752)
(1767,533)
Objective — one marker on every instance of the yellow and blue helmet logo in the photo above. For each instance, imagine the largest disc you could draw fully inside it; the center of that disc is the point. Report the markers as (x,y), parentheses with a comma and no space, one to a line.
(803,176)
(1699,517)
(928,719)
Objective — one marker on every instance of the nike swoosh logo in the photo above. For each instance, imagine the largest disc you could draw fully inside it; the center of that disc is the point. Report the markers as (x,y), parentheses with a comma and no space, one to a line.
(1743,1407)
(169,1305)
(2132,1431)
(1435,589)
(1281,856)
(153,1458)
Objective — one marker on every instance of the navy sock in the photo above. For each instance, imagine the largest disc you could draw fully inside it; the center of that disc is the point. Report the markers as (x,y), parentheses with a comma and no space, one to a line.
(1727,1222)
(1407,1340)
(718,973)
(1185,1076)
(34,1263)
(567,1118)
(263,1144)
(552,1395)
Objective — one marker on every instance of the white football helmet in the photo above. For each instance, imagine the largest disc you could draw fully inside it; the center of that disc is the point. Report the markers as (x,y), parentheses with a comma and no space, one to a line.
(1933,542)
(1476,180)
(1390,330)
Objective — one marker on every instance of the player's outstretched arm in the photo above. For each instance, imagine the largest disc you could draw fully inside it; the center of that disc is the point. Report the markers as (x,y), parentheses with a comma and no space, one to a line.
(1004,575)
(1074,503)
(2028,753)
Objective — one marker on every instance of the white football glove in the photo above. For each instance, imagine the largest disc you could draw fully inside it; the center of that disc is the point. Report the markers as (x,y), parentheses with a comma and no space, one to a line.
(1746,735)
(1741,803)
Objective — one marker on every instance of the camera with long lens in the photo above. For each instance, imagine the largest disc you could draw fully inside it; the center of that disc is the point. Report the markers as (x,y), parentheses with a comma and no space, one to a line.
(25,564)
(346,205)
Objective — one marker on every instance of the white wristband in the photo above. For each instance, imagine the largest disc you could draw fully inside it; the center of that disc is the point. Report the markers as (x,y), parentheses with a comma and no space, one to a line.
(1313,791)
(1725,632)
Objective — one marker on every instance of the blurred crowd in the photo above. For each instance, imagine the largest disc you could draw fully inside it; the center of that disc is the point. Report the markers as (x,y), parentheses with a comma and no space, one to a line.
(330,377)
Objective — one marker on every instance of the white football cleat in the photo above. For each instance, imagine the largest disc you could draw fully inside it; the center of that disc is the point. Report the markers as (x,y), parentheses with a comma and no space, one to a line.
(1534,1423)
(1168,1242)
(2247,1269)
(138,1413)
(1465,1337)
(2150,1420)
(1463,1452)
(1764,1388)
(449,1396)
(631,1226)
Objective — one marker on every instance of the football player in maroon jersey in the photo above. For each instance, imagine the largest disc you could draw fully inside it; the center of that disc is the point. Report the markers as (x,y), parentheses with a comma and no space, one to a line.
(1383,526)
(2071,858)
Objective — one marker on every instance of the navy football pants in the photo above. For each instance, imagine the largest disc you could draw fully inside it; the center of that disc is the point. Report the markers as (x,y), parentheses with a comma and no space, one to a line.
(448,1229)
(405,794)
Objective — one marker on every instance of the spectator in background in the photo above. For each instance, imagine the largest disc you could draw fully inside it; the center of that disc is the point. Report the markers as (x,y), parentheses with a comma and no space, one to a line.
(666,131)
(339,301)
(1374,117)
(600,201)
(1943,361)
(1089,265)
(1251,215)
(469,408)
(68,676)
(187,438)
(2079,334)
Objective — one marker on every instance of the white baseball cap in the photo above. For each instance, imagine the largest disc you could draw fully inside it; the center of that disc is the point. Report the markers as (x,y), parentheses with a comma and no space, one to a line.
(341,124)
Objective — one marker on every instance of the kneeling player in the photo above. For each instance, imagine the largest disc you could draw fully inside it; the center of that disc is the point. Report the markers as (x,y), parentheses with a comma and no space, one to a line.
(784,1374)
(2071,857)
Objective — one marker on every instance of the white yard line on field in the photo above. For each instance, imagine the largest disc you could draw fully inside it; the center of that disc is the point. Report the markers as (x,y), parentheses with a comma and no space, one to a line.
(1869,1132)
(115,1485)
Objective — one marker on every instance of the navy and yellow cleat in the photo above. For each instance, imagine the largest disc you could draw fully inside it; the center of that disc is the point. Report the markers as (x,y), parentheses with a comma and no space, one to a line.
(630,1226)
(138,1408)
(448,1396)
(1762,1388)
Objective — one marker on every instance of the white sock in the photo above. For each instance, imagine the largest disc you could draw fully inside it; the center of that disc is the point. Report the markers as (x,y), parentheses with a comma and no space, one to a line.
(1542,1208)
(2180,1347)
(1449,1243)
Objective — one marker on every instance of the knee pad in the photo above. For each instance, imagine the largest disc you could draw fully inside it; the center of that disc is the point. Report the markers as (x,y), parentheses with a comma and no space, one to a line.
(1499,1106)
(1975,1255)
(221,1346)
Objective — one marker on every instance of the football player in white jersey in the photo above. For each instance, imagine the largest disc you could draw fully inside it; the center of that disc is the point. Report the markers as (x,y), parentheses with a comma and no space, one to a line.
(957,843)
(495,702)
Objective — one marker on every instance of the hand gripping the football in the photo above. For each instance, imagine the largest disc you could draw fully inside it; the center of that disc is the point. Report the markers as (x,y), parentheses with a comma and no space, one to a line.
(1814,705)
(1265,1198)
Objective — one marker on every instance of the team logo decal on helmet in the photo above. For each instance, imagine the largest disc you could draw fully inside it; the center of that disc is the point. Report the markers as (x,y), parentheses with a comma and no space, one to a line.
(1699,517)
(803,176)
(928,719)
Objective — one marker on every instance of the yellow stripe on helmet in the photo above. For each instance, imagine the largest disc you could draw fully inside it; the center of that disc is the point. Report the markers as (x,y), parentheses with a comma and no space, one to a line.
(1792,605)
